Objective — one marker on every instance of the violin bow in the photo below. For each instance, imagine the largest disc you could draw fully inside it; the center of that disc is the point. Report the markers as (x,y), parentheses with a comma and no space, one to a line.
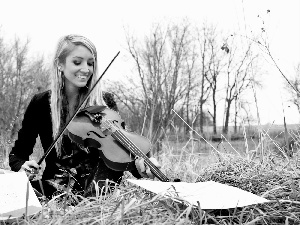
(75,113)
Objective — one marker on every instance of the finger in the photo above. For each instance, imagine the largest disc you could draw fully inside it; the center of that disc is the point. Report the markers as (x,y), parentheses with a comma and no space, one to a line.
(142,165)
(139,163)
(30,167)
(149,173)
(34,164)
(24,167)
(155,162)
(27,171)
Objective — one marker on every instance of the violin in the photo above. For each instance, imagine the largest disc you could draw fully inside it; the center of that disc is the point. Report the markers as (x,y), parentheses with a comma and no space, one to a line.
(100,127)
(103,128)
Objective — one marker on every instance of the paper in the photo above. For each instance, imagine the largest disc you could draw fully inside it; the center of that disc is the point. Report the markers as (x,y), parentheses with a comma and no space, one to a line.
(210,194)
(13,187)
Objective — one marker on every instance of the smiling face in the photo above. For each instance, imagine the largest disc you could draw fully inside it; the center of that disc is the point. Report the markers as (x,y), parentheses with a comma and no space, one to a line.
(78,67)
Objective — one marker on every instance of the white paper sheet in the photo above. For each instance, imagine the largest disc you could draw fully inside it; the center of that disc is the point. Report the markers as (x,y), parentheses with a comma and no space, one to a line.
(13,187)
(210,194)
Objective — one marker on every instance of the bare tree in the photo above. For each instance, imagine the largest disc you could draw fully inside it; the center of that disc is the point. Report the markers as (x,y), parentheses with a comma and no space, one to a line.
(215,68)
(20,77)
(204,35)
(295,91)
(161,65)
(19,80)
(6,67)
(191,71)
(239,76)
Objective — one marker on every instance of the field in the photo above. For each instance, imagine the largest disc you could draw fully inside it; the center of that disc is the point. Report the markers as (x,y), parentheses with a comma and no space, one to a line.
(258,165)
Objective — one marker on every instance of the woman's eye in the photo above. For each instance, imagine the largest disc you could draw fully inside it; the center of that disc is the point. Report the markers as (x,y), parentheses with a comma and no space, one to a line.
(91,64)
(76,63)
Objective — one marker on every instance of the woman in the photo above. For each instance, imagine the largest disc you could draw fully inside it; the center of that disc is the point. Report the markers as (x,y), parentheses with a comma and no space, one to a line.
(74,73)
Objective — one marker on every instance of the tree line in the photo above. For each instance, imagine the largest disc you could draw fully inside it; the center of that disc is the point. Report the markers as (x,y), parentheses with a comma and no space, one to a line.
(189,70)
(183,76)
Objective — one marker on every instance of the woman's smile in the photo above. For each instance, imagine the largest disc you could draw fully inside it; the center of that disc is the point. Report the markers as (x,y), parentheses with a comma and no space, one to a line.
(82,77)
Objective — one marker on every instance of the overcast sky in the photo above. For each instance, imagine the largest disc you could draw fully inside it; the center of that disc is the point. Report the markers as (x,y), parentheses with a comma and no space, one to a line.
(44,22)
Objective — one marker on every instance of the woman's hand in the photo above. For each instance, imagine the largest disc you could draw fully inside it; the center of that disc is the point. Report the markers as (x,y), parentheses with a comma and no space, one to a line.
(143,169)
(28,166)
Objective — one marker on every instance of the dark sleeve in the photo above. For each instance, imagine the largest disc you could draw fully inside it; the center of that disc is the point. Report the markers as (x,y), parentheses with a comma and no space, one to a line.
(110,101)
(135,173)
(23,146)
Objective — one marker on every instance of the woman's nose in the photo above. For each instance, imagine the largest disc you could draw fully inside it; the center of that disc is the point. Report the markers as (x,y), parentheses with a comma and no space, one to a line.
(85,69)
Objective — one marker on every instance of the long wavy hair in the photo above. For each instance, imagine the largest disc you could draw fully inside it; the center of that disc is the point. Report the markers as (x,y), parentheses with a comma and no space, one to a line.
(57,101)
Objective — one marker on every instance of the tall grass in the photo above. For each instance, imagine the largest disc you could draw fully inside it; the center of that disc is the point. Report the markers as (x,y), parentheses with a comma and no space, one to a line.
(270,173)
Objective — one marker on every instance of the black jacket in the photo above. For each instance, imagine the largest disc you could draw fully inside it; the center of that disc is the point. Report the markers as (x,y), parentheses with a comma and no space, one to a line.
(37,122)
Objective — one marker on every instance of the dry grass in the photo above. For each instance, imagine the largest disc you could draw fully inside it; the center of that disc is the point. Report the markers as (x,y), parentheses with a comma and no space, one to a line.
(253,168)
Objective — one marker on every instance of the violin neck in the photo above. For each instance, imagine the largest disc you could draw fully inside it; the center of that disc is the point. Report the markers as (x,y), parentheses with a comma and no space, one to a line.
(154,169)
(130,146)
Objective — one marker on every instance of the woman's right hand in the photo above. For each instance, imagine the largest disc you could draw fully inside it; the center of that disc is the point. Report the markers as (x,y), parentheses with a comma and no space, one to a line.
(28,166)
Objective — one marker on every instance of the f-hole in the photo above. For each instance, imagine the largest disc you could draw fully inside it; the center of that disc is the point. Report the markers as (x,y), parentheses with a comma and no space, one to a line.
(89,133)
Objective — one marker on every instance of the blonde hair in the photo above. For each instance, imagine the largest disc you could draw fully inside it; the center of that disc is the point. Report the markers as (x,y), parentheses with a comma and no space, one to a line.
(65,46)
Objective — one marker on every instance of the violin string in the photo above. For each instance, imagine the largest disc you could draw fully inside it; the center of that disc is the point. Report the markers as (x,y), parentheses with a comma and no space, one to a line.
(127,142)
(106,126)
(134,148)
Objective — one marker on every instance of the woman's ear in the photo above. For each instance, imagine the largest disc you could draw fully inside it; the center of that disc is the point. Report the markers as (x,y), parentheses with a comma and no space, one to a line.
(60,67)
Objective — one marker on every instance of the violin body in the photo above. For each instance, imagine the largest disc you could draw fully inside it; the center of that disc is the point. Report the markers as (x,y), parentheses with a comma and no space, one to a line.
(96,127)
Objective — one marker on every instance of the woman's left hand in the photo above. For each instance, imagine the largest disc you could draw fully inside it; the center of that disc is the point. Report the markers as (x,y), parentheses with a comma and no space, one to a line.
(143,169)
